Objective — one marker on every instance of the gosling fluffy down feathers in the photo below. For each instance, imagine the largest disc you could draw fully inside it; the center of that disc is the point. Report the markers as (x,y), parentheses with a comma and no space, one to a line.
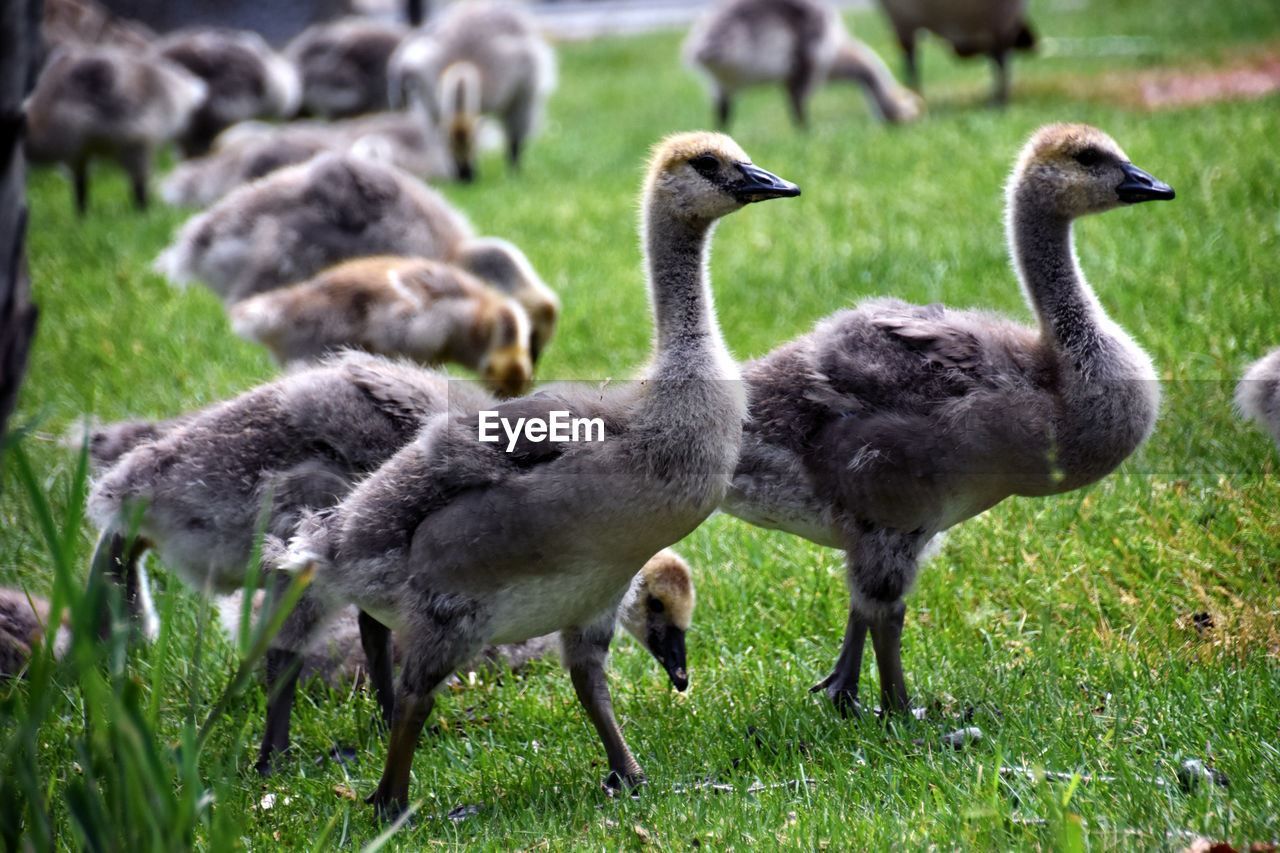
(798,43)
(456,542)
(422,309)
(299,220)
(890,422)
(203,481)
(96,100)
(251,150)
(24,620)
(246,79)
(343,65)
(477,58)
(1258,394)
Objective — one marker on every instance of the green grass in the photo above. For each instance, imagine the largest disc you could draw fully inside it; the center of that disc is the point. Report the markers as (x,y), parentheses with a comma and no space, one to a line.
(1066,621)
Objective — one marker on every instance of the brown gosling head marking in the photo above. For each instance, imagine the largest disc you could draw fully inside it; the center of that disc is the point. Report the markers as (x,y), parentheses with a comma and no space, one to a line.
(668,578)
(701,176)
(1075,169)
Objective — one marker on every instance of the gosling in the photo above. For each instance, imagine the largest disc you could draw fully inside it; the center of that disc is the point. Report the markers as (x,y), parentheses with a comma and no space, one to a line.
(94,100)
(456,542)
(477,59)
(246,79)
(973,27)
(343,65)
(251,150)
(1258,394)
(24,621)
(425,310)
(299,220)
(798,43)
(890,422)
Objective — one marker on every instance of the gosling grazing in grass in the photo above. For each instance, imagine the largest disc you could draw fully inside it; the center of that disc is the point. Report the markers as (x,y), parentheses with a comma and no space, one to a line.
(299,220)
(456,542)
(246,79)
(92,101)
(196,488)
(477,59)
(24,620)
(798,43)
(973,27)
(343,65)
(656,610)
(251,150)
(502,265)
(1258,394)
(426,310)
(891,422)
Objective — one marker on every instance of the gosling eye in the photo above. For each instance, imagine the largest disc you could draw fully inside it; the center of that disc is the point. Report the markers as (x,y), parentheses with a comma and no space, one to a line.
(705,164)
(654,604)
(1089,156)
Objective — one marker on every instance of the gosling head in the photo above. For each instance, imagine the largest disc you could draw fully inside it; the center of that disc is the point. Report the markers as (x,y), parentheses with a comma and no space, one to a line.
(502,265)
(507,366)
(699,177)
(658,609)
(1074,169)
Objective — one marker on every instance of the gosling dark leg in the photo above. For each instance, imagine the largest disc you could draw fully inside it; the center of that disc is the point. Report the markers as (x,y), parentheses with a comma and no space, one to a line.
(282,682)
(391,797)
(585,652)
(723,107)
(137,162)
(115,560)
(80,182)
(911,71)
(375,638)
(1000,96)
(841,685)
(886,639)
(284,664)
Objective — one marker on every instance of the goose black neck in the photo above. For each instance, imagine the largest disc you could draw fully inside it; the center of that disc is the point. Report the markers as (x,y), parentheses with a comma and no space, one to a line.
(1045,256)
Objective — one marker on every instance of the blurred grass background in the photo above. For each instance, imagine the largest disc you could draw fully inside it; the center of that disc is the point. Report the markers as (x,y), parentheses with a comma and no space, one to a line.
(1066,622)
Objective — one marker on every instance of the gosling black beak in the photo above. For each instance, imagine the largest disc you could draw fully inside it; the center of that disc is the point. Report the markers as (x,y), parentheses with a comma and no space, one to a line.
(759,185)
(1140,186)
(667,645)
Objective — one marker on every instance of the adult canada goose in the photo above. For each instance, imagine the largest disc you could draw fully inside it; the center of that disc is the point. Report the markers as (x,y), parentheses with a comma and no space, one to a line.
(1258,394)
(477,58)
(990,27)
(246,79)
(343,65)
(457,541)
(426,310)
(299,220)
(23,623)
(798,43)
(657,610)
(197,486)
(891,422)
(250,150)
(95,100)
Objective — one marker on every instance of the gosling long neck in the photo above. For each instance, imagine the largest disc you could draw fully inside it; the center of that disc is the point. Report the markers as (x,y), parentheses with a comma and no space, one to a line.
(688,339)
(1071,319)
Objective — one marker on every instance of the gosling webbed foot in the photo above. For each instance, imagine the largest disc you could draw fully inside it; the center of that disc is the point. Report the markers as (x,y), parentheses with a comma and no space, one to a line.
(615,784)
(845,699)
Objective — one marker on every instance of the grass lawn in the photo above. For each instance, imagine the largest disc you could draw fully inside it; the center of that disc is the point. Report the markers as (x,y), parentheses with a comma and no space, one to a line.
(1065,623)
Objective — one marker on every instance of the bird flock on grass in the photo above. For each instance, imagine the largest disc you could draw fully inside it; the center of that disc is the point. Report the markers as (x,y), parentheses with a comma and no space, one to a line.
(429,546)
